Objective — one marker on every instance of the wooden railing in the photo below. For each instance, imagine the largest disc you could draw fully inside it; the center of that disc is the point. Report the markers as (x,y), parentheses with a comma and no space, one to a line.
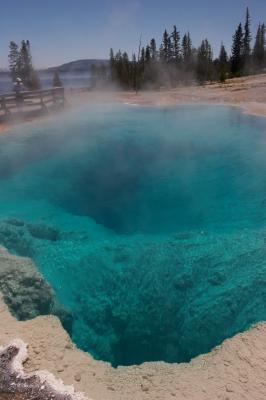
(41,100)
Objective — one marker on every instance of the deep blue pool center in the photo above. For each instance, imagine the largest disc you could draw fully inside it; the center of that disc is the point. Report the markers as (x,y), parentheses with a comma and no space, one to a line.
(153,224)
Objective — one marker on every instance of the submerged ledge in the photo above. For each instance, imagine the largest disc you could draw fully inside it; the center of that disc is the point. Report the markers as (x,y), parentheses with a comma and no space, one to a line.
(236,369)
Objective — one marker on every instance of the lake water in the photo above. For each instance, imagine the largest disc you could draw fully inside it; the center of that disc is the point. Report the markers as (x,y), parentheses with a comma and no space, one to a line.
(69,80)
(160,218)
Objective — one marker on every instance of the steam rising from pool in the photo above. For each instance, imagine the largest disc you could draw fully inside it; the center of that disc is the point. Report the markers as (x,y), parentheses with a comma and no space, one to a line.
(159,216)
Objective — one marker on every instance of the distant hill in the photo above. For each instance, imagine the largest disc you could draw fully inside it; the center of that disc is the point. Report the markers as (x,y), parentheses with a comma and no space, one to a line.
(77,66)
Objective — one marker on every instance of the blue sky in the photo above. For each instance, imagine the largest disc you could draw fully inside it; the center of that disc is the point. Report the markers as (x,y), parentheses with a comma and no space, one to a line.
(65,30)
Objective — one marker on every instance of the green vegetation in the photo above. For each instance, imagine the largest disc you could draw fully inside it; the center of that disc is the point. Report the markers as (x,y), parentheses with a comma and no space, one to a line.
(259,54)
(178,62)
(223,64)
(20,65)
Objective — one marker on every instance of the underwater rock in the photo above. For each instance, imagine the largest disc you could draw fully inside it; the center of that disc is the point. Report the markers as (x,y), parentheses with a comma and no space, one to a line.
(44,232)
(26,292)
(14,238)
(24,289)
(16,385)
(15,222)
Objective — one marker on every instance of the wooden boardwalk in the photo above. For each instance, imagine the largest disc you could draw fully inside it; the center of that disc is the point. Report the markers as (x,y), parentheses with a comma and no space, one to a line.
(30,103)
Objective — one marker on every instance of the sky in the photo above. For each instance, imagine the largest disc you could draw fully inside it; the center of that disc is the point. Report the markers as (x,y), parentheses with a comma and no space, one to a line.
(67,30)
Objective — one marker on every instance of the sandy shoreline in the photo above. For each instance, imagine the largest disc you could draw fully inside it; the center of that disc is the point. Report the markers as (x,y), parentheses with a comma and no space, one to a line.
(247,93)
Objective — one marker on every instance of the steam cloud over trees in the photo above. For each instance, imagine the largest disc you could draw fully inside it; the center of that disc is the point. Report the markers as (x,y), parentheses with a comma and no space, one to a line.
(177,61)
(174,62)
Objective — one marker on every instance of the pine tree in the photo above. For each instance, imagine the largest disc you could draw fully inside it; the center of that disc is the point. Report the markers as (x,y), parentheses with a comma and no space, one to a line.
(164,50)
(259,56)
(161,53)
(186,48)
(153,49)
(14,60)
(20,65)
(125,77)
(147,54)
(237,52)
(142,57)
(222,64)
(188,67)
(204,67)
(134,72)
(263,43)
(247,43)
(28,74)
(112,65)
(175,44)
(56,80)
(26,62)
(223,57)
(118,66)
(152,70)
(170,52)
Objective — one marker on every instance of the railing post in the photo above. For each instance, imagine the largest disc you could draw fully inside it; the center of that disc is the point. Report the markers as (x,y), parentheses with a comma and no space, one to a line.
(19,98)
(42,103)
(63,96)
(3,105)
(53,95)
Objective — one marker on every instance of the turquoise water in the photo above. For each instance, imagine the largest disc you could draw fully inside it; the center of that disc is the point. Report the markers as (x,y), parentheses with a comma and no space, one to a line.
(158,216)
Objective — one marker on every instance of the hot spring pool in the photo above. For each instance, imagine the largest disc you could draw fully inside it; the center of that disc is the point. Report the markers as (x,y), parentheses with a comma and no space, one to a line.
(158,216)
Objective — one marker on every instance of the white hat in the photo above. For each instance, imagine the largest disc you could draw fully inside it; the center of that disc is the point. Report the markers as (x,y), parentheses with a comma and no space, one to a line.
(18,80)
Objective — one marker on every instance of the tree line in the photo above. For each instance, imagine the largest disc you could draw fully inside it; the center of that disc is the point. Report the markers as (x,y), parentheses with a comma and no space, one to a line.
(177,61)
(21,66)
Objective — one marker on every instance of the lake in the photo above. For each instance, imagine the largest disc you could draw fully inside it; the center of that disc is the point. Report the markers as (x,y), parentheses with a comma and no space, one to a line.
(69,80)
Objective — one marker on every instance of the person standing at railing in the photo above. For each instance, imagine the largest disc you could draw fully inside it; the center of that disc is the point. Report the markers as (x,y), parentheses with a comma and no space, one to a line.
(18,89)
